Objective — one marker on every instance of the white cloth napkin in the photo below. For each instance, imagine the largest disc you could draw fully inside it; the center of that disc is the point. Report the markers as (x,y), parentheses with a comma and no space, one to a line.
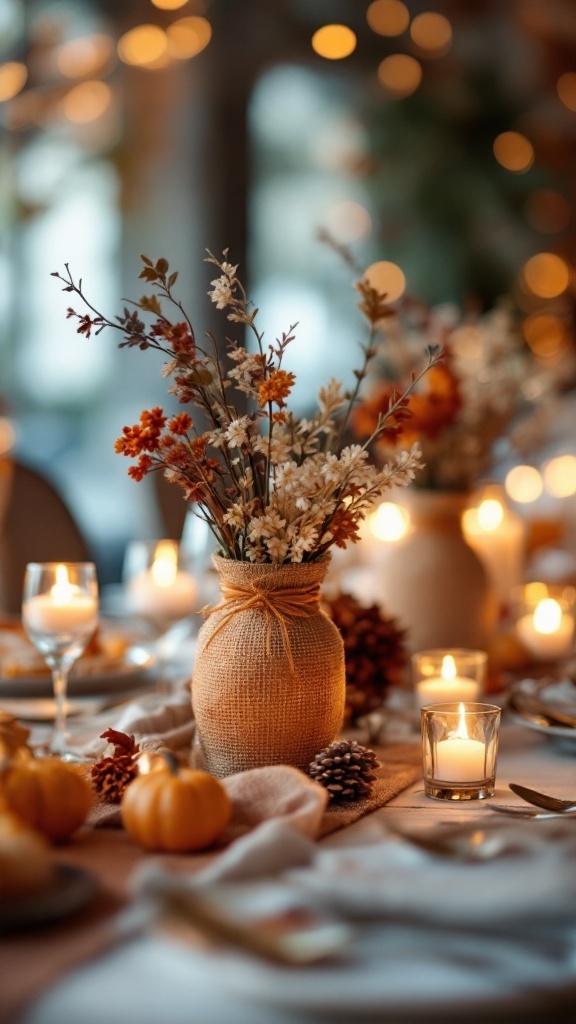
(153,723)
(428,931)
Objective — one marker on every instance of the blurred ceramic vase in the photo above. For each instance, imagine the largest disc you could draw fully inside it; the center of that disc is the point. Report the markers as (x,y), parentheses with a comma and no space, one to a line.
(434,582)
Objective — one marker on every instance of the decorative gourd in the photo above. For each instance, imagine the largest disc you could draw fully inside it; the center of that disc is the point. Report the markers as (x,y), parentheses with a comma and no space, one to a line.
(13,736)
(25,865)
(48,794)
(177,810)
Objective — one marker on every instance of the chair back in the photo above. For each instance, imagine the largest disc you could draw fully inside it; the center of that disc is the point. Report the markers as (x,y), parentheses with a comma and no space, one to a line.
(36,526)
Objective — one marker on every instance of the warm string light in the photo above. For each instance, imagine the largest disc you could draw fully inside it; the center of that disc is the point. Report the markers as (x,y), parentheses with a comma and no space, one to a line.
(514,152)
(334,42)
(348,221)
(546,275)
(400,75)
(388,17)
(432,33)
(386,277)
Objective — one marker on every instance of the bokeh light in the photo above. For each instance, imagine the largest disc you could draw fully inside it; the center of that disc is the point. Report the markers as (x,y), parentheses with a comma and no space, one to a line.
(545,334)
(13,76)
(389,522)
(566,88)
(524,484)
(432,33)
(169,5)
(388,278)
(513,151)
(400,74)
(86,55)
(86,102)
(334,42)
(546,275)
(143,46)
(548,211)
(349,221)
(560,476)
(535,592)
(187,37)
(388,17)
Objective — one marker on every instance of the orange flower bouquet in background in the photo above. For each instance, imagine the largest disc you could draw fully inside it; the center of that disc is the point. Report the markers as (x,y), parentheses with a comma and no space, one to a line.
(488,397)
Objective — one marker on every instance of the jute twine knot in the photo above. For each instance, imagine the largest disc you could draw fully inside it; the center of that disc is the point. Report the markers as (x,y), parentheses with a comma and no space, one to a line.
(281,604)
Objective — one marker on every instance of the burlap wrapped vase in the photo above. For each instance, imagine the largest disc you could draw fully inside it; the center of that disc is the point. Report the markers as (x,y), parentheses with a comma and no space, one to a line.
(269,678)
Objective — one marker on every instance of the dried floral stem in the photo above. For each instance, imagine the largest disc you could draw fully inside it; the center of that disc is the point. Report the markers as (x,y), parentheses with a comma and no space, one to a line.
(271,487)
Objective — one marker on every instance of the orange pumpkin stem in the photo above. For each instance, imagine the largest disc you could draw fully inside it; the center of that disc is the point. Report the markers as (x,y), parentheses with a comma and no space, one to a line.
(172,762)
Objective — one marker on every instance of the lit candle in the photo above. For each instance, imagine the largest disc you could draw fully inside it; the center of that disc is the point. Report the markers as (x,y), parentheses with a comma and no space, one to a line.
(448,686)
(163,591)
(459,758)
(63,609)
(548,632)
(497,536)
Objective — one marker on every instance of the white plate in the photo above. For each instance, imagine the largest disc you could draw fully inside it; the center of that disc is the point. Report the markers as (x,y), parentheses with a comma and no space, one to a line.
(558,696)
(135,669)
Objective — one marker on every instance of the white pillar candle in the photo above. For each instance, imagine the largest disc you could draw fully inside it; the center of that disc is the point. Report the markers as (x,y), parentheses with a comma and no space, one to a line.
(548,632)
(63,609)
(460,758)
(448,686)
(497,535)
(163,591)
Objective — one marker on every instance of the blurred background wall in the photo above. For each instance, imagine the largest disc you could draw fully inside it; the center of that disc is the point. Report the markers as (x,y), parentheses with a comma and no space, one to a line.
(439,137)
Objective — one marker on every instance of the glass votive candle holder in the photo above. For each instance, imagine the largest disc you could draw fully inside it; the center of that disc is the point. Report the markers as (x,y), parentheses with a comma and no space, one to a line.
(448,674)
(545,620)
(460,748)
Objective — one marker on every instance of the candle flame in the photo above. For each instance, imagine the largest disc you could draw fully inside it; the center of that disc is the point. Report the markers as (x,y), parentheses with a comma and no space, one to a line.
(462,731)
(490,514)
(547,616)
(389,522)
(165,565)
(448,670)
(62,590)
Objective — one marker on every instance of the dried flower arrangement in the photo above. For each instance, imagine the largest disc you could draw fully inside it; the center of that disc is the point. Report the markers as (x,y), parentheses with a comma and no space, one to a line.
(487,389)
(273,487)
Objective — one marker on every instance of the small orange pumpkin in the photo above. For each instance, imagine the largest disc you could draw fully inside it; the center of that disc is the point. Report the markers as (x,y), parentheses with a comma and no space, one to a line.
(25,864)
(176,810)
(48,794)
(13,735)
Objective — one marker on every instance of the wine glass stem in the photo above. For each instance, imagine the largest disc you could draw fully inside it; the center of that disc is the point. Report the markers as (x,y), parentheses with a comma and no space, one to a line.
(60,685)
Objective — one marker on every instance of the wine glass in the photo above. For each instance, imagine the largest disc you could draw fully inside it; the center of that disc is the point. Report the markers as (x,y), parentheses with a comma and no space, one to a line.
(160,591)
(60,614)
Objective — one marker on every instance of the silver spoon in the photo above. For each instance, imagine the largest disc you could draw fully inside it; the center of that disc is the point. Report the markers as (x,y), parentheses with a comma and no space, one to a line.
(527,812)
(463,842)
(549,803)
(526,703)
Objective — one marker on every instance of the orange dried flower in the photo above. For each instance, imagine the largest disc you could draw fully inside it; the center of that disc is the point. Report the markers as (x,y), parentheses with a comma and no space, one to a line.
(181,423)
(276,388)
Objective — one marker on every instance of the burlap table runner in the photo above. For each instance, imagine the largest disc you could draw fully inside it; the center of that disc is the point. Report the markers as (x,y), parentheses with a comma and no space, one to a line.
(32,961)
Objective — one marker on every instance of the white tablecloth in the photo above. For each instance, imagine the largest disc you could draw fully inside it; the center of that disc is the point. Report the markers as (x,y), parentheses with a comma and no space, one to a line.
(400,971)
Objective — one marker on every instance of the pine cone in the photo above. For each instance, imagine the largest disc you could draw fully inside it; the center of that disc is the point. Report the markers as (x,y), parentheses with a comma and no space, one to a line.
(345,770)
(110,775)
(374,653)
